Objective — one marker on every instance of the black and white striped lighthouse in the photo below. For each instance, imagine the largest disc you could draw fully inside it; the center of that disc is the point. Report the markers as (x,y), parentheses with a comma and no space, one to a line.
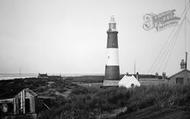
(112,73)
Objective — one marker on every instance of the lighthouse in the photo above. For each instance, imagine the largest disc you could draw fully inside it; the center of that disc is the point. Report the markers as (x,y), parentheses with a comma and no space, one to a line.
(112,73)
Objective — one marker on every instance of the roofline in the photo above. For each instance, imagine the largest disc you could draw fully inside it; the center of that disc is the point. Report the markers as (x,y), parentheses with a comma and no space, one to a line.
(6,100)
(46,97)
(31,91)
(13,96)
(179,73)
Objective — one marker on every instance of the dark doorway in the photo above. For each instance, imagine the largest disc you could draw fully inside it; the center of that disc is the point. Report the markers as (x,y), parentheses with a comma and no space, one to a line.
(27,105)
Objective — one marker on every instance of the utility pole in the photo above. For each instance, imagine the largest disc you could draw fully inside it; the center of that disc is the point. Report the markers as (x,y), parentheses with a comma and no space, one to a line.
(134,67)
(186,55)
(20,71)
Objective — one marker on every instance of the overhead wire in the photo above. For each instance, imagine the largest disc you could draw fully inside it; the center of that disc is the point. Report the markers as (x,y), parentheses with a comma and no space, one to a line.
(176,37)
(172,47)
(166,48)
(159,56)
(185,28)
(162,51)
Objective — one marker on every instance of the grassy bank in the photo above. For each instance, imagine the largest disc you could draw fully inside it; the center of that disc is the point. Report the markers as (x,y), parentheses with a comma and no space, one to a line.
(47,87)
(89,103)
(145,102)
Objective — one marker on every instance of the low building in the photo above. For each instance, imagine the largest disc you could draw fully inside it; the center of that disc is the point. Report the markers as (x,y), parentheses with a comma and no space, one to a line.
(180,78)
(129,82)
(42,76)
(21,103)
(150,79)
(46,76)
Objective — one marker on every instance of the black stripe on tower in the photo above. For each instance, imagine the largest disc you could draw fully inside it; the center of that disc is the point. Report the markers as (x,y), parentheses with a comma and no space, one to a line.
(112,73)
(112,41)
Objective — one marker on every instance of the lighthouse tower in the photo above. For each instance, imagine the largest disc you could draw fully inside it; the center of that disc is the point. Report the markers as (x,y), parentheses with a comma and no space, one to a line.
(112,65)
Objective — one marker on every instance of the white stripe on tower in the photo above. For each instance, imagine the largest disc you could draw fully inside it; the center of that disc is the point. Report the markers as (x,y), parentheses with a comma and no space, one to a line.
(112,57)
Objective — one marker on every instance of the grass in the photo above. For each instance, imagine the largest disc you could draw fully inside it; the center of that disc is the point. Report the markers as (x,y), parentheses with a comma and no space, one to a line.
(88,103)
(145,102)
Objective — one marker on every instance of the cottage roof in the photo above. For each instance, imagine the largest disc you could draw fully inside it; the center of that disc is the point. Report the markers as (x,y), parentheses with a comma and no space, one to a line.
(128,81)
(185,70)
(13,92)
(147,76)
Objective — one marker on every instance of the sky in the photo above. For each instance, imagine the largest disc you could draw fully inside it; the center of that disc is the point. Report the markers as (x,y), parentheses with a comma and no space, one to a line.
(69,36)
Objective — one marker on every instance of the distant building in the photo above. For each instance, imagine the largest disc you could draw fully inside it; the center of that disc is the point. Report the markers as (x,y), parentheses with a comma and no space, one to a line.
(42,76)
(150,79)
(46,76)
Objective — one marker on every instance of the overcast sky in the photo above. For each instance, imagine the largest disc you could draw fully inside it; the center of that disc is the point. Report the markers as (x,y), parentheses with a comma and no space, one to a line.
(69,36)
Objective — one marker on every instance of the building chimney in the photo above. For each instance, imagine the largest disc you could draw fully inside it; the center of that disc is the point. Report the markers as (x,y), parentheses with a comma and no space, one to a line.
(137,76)
(164,75)
(183,64)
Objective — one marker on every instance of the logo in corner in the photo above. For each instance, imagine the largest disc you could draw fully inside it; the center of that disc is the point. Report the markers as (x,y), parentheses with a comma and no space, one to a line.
(160,21)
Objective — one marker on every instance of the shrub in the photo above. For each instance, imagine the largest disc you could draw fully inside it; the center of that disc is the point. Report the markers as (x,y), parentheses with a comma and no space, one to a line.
(85,103)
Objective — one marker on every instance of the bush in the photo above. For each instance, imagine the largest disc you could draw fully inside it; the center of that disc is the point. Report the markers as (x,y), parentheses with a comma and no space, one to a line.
(85,103)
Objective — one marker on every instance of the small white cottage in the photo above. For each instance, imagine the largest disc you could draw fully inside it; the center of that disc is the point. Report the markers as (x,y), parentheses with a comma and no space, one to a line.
(129,82)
